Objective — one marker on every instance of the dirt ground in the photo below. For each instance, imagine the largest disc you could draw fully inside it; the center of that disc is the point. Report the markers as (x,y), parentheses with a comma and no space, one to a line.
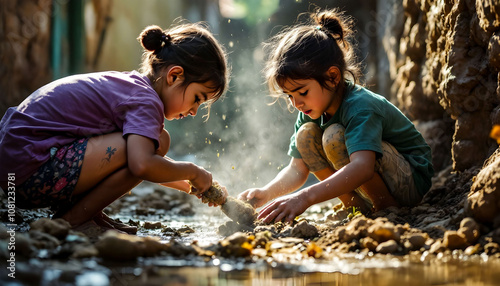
(443,224)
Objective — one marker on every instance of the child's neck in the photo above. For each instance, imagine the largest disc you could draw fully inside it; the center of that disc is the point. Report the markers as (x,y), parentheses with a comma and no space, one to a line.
(336,102)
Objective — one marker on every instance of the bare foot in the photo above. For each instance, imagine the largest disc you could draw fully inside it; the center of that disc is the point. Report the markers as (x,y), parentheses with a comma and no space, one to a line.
(105,221)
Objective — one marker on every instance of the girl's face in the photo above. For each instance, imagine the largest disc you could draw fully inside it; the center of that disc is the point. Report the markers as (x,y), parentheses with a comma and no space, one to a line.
(309,97)
(182,102)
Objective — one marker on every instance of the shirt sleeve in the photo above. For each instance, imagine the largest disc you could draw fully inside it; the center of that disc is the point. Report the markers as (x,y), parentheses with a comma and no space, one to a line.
(142,116)
(364,132)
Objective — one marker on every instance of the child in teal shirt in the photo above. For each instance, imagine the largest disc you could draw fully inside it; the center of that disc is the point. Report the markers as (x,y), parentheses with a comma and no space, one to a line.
(361,147)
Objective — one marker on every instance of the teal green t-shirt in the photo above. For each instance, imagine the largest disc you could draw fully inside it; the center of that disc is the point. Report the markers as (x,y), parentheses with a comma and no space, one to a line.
(369,119)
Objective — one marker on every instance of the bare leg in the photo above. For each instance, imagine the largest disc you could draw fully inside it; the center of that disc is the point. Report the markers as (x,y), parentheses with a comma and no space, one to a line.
(101,196)
(378,193)
(105,176)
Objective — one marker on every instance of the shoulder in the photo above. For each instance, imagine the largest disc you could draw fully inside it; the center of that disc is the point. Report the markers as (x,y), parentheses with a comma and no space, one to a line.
(360,99)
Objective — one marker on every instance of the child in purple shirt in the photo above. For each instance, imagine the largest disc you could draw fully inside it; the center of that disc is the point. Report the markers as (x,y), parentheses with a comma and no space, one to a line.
(81,142)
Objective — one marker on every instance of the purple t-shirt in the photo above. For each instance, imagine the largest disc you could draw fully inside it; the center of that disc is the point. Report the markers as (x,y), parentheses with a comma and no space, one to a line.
(74,107)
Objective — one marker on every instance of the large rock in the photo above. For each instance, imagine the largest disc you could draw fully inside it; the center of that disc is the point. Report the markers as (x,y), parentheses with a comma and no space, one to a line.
(453,77)
(483,201)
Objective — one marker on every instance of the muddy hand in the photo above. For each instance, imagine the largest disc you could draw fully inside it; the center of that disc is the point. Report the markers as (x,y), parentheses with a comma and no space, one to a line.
(255,197)
(285,209)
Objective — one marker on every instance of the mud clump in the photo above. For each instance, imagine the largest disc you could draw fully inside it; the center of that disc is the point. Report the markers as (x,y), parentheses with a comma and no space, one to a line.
(237,210)
(213,195)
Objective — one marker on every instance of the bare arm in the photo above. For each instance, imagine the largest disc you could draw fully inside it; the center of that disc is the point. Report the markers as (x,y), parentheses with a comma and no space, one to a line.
(348,178)
(288,180)
(358,171)
(178,185)
(144,163)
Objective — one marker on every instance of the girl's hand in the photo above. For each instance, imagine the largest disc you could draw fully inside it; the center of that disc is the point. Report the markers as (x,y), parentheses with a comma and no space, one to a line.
(256,197)
(202,180)
(285,209)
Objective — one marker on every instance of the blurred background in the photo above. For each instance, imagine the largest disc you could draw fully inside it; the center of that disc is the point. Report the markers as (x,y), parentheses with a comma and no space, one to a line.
(245,140)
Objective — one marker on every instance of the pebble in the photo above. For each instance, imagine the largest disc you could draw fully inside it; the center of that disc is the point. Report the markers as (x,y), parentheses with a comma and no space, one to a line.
(58,227)
(304,230)
(454,240)
(386,247)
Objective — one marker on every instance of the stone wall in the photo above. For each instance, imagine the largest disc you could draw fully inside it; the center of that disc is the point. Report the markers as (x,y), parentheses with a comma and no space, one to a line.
(444,60)
(24,46)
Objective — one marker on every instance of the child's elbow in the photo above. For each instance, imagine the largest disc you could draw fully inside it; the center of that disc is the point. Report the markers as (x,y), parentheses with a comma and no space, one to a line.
(367,174)
(138,169)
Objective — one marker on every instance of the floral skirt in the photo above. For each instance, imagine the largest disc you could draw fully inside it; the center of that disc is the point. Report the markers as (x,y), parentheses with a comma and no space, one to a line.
(53,183)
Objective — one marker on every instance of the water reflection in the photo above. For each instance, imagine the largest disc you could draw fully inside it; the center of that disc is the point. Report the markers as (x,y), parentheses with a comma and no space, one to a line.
(449,273)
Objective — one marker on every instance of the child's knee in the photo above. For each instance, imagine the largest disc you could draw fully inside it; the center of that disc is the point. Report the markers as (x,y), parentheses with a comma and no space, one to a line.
(334,145)
(307,133)
(308,142)
(164,143)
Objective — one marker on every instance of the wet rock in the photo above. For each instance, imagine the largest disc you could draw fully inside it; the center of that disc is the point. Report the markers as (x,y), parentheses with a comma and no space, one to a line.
(369,243)
(454,240)
(262,239)
(42,240)
(269,228)
(416,240)
(383,231)
(304,230)
(168,231)
(84,251)
(152,225)
(118,246)
(178,249)
(470,229)
(236,245)
(389,246)
(437,247)
(472,249)
(58,227)
(491,248)
(185,229)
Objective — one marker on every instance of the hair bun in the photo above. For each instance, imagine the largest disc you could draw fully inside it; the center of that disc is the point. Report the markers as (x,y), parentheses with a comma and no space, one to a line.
(152,38)
(334,23)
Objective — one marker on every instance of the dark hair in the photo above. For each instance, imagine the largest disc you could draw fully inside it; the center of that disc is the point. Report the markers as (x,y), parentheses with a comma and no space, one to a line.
(307,51)
(191,46)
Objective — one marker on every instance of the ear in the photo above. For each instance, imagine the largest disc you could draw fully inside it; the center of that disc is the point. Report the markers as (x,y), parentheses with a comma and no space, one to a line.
(334,76)
(175,74)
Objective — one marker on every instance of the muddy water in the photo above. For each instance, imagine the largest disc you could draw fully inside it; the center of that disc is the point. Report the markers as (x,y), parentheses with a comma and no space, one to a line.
(346,269)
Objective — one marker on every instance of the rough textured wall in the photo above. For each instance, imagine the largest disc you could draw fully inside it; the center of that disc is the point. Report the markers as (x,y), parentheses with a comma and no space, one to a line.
(24,46)
(445,56)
